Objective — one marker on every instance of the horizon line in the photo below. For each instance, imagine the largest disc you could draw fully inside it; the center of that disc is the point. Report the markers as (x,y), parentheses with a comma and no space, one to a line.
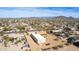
(39,17)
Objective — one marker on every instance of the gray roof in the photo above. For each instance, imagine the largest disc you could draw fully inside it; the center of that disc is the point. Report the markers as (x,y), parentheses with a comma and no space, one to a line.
(76,37)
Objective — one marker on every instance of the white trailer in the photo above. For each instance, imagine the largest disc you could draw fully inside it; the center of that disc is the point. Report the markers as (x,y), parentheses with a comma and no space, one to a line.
(38,38)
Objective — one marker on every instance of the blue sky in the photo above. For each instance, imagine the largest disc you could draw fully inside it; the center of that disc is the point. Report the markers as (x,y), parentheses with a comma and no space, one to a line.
(38,11)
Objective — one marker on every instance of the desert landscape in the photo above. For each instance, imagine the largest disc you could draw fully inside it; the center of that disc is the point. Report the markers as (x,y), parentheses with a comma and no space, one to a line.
(43,33)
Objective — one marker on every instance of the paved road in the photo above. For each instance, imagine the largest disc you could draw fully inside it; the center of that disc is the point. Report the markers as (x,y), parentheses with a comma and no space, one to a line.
(8,32)
(14,32)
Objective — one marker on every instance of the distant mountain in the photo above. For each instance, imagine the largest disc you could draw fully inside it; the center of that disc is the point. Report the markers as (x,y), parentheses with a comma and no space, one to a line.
(57,18)
(64,18)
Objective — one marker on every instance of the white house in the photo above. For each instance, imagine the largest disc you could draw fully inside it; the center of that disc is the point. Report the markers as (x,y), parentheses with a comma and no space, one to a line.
(38,38)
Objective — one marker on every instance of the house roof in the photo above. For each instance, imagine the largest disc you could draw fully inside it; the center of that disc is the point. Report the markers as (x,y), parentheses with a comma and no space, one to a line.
(75,37)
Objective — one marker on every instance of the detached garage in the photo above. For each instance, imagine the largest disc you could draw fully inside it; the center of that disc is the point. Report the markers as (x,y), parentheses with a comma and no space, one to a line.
(38,38)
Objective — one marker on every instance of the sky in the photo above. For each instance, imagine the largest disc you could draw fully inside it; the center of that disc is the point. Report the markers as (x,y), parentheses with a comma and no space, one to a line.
(16,12)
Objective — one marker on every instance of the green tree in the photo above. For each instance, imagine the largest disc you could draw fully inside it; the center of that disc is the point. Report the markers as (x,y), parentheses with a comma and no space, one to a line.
(1,33)
(21,28)
(6,28)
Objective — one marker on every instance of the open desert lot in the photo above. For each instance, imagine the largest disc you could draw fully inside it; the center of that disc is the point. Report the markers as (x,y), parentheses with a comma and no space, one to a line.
(52,44)
(39,29)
